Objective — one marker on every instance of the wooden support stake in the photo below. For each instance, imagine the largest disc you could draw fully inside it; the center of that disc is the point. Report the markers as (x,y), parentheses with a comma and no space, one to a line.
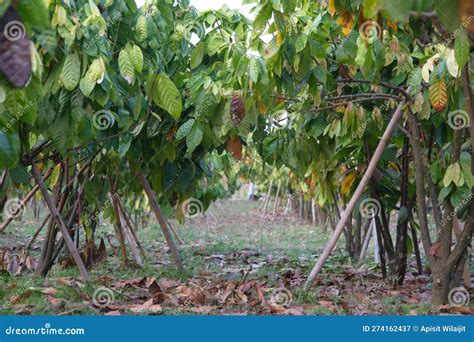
(355,198)
(131,227)
(24,201)
(277,199)
(119,231)
(175,233)
(59,221)
(366,242)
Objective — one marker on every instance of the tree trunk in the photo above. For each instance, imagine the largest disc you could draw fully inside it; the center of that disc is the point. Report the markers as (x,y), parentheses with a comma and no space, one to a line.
(267,198)
(277,199)
(416,248)
(357,233)
(399,267)
(161,220)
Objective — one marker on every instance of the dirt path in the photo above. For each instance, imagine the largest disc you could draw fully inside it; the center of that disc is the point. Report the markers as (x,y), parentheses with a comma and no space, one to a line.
(237,262)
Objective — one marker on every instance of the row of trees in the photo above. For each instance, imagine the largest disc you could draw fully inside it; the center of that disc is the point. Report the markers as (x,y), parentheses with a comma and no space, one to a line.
(344,71)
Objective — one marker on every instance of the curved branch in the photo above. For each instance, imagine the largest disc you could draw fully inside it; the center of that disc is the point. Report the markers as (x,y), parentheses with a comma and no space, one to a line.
(383,84)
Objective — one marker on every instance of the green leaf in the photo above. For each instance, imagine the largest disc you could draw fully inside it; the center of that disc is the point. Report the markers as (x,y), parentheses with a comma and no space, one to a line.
(370,8)
(263,72)
(95,10)
(253,70)
(444,193)
(193,139)
(136,57)
(141,29)
(462,47)
(466,170)
(184,129)
(3,6)
(87,85)
(22,104)
(126,66)
(34,12)
(414,79)
(94,74)
(164,94)
(300,43)
(263,16)
(448,14)
(215,44)
(9,149)
(397,11)
(125,145)
(71,73)
(452,175)
(196,55)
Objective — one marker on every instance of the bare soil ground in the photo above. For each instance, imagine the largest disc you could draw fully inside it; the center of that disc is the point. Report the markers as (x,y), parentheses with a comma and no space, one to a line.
(237,262)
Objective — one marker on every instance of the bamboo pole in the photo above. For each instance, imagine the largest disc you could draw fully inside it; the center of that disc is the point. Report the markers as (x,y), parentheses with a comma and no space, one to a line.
(366,242)
(175,233)
(355,198)
(132,243)
(131,227)
(25,200)
(62,227)
(267,198)
(277,199)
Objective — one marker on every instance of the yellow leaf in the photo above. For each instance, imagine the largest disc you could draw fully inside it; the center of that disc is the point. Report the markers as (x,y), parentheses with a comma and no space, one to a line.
(40,166)
(392,25)
(438,94)
(347,183)
(346,21)
(393,166)
(279,39)
(55,175)
(331,8)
